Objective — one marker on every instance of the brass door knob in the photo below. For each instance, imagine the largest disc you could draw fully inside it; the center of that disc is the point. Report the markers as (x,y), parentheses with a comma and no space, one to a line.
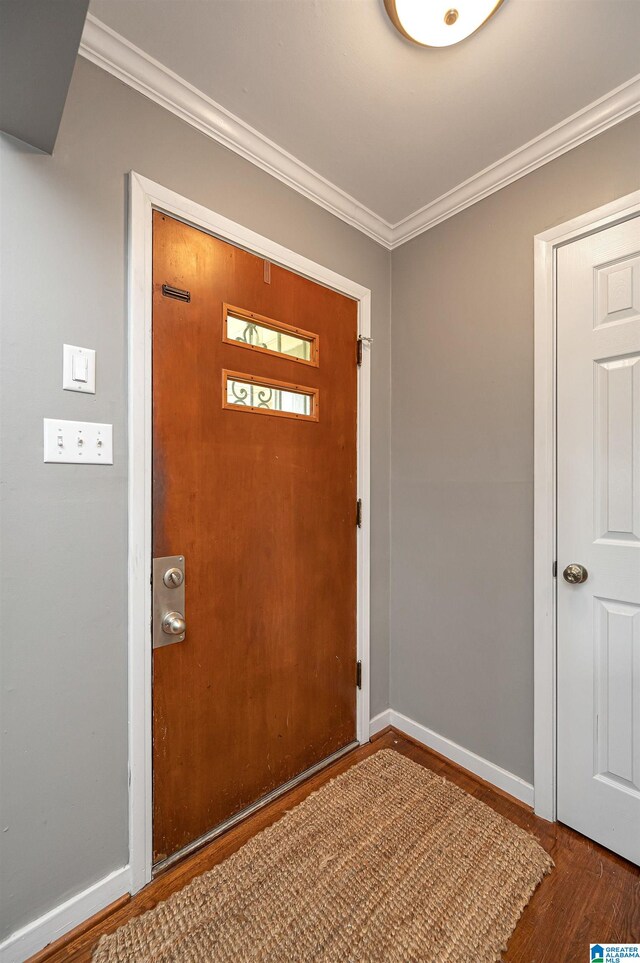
(575,574)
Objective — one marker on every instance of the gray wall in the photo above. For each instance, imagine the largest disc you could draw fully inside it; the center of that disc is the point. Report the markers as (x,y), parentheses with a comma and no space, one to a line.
(64,534)
(462,452)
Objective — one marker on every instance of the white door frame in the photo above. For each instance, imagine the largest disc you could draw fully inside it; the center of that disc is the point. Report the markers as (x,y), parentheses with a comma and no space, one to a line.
(544,605)
(144,197)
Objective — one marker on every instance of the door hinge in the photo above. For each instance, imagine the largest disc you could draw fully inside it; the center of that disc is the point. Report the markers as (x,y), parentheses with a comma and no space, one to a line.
(555,569)
(176,293)
(360,346)
(359,674)
(359,513)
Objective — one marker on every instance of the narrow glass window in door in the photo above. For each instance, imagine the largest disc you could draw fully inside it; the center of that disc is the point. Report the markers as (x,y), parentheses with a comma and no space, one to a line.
(246,329)
(268,397)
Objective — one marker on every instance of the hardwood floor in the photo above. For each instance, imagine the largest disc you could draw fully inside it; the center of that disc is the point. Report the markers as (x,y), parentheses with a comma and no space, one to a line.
(591,895)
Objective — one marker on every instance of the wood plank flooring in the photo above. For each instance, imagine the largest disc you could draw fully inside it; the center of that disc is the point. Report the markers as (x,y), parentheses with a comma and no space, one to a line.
(591,895)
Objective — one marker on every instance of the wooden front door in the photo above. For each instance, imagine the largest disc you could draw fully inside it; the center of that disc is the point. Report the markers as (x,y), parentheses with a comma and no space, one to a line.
(254,485)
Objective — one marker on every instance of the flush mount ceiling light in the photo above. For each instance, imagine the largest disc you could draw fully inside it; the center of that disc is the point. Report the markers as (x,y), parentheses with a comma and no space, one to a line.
(439,23)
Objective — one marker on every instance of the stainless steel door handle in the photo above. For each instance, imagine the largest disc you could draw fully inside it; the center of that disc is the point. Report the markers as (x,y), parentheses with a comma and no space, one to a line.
(575,574)
(174,624)
(169,621)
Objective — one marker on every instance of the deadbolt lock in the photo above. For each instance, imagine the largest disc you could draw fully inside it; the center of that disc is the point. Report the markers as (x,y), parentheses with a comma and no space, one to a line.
(173,577)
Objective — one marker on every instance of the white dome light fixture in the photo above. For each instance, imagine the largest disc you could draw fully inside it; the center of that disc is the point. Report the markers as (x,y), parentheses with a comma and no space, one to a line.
(439,23)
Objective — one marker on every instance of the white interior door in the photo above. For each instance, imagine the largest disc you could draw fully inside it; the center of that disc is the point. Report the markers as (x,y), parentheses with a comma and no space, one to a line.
(598,316)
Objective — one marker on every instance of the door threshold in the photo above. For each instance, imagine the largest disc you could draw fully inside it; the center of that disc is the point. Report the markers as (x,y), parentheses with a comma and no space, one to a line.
(164,864)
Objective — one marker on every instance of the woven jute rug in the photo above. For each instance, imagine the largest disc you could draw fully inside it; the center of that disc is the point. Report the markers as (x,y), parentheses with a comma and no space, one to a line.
(388,863)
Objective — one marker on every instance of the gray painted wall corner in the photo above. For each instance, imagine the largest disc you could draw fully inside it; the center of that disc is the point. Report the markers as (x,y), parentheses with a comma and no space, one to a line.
(462,452)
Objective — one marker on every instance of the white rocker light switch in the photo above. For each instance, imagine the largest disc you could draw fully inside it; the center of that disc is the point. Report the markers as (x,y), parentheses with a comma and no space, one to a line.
(79,369)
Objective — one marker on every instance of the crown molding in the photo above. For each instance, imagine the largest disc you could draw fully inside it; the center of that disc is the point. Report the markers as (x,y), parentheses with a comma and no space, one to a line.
(119,57)
(115,54)
(592,120)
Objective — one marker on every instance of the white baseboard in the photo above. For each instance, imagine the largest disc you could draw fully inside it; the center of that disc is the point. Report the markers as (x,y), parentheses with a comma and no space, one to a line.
(488,771)
(380,722)
(36,935)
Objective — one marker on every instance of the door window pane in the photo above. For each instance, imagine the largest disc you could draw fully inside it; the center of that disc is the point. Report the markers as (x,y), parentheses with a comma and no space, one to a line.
(249,330)
(268,397)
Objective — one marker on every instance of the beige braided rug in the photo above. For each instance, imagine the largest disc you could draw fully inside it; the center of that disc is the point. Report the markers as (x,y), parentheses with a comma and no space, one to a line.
(388,863)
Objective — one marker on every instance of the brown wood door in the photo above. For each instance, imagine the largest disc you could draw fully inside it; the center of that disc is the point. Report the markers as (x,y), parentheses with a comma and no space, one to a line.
(261,503)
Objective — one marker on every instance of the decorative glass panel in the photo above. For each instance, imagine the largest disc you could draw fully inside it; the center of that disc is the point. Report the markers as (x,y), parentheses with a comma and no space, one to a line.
(269,397)
(250,330)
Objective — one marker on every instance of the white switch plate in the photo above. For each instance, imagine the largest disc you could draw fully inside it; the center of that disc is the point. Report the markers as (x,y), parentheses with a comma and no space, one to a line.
(78,369)
(78,442)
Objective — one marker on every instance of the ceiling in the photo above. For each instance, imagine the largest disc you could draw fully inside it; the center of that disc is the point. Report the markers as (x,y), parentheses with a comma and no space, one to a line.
(392,124)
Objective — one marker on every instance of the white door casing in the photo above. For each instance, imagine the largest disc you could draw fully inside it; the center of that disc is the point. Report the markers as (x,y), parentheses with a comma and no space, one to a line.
(598,512)
(145,196)
(546,246)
